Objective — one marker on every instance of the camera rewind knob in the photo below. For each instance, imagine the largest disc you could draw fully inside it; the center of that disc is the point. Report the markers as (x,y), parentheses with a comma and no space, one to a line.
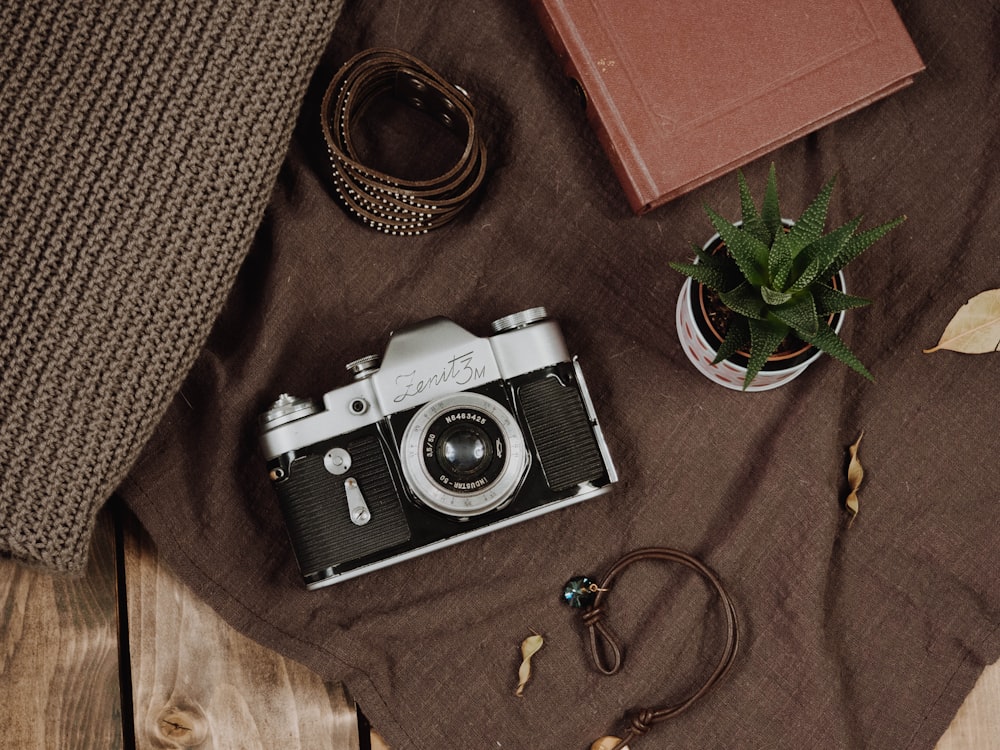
(519,319)
(364,367)
(286,409)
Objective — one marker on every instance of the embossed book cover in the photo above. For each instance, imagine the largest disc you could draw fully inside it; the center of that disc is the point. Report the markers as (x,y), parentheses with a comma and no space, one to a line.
(683,92)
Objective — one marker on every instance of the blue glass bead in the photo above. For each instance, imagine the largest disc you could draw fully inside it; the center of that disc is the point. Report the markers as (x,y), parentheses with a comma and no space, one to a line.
(579,592)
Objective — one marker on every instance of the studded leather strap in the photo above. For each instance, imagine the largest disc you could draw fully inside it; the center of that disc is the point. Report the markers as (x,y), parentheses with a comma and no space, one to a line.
(384,202)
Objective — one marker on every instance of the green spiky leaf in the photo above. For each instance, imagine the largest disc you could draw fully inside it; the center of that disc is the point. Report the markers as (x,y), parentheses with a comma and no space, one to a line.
(737,339)
(718,260)
(858,244)
(774,297)
(825,339)
(770,211)
(799,314)
(779,261)
(819,254)
(750,254)
(765,338)
(830,300)
(809,226)
(745,300)
(751,219)
(713,278)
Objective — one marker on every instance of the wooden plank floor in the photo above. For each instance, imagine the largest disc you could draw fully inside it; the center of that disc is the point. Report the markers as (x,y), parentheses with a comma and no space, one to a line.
(59,682)
(182,678)
(196,682)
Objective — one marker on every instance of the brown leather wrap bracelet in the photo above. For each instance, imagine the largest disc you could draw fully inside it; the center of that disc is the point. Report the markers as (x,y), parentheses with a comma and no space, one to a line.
(608,655)
(384,202)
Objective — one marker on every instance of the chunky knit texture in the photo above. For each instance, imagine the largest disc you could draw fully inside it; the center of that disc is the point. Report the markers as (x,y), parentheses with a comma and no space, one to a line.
(140,144)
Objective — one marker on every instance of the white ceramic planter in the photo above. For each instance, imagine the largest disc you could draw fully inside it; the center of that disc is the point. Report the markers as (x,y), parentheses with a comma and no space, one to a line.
(729,374)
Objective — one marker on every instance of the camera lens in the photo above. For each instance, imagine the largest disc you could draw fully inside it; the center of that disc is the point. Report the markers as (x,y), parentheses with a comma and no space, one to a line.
(463,451)
(463,454)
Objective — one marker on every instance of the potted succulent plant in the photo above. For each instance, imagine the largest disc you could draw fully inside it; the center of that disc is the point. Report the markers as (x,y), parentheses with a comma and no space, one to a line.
(766,296)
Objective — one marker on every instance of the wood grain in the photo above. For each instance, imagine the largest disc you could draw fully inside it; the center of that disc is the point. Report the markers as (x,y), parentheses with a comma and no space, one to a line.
(59,662)
(197,682)
(976,726)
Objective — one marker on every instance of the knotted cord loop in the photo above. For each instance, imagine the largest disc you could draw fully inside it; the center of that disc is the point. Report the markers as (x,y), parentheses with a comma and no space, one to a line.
(592,616)
(604,648)
(608,655)
(641,721)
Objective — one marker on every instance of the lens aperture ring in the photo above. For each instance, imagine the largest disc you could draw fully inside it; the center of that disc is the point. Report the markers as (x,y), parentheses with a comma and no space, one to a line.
(463,454)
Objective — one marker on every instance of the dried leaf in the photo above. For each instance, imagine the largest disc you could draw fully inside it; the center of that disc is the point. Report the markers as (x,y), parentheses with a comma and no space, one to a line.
(975,329)
(607,743)
(529,647)
(855,473)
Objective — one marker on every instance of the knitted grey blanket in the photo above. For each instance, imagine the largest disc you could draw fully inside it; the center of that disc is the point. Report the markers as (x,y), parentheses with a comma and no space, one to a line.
(140,143)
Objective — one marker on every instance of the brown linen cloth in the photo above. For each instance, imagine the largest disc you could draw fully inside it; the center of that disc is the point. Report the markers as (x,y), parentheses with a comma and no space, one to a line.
(140,143)
(862,637)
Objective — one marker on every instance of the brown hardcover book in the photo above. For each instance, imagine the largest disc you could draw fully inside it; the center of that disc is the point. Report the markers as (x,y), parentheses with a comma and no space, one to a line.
(684,91)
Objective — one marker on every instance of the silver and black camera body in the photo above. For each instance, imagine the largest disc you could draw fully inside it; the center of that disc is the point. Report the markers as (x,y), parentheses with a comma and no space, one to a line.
(448,436)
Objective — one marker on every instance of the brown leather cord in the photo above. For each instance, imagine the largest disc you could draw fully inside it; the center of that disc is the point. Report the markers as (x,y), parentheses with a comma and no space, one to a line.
(608,655)
(393,204)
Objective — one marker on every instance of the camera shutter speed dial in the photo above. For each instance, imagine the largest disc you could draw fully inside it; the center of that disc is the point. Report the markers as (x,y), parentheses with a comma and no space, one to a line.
(520,319)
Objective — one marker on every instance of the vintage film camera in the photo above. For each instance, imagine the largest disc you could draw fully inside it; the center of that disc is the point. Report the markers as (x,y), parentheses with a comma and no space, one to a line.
(447,437)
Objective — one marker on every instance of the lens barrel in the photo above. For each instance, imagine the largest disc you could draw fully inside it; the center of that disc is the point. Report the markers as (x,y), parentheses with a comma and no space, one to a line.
(463,454)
